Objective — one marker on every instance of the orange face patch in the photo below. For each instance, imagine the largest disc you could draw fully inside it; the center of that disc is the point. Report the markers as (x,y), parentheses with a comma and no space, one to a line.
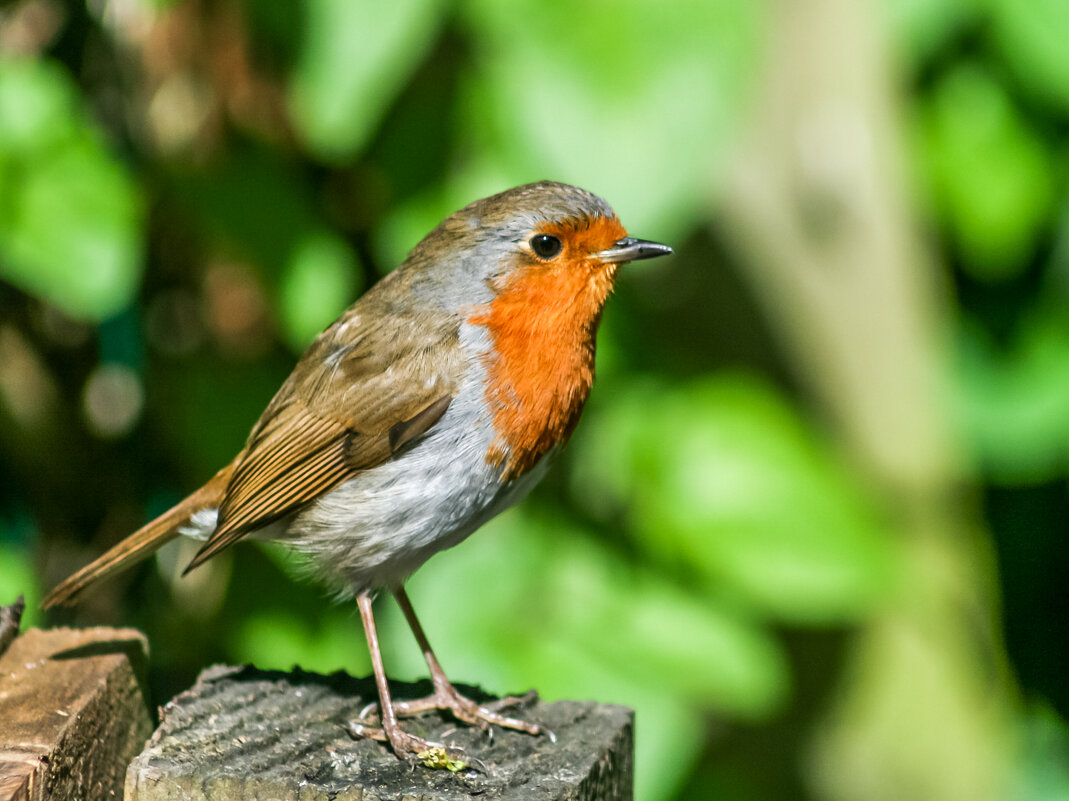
(542,325)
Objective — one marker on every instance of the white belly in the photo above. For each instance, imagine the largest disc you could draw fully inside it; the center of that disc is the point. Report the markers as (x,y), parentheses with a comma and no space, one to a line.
(375,529)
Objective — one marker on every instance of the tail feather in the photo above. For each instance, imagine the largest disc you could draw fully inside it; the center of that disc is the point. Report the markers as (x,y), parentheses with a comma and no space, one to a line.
(142,543)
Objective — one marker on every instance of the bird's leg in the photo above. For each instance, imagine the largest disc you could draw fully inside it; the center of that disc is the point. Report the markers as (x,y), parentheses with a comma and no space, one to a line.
(446,696)
(403,743)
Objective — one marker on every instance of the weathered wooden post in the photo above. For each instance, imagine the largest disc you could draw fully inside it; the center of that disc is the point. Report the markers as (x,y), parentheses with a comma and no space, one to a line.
(242,733)
(72,713)
(73,718)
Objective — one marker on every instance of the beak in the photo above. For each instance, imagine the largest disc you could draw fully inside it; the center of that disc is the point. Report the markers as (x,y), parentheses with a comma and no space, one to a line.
(631,249)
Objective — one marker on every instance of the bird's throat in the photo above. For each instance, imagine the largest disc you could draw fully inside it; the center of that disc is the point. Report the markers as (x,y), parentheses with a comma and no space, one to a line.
(540,367)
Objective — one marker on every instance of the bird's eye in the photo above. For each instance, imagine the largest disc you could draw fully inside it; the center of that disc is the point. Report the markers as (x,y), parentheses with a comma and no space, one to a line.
(545,246)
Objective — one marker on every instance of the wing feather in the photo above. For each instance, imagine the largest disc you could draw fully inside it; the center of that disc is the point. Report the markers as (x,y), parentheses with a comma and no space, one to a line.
(321,429)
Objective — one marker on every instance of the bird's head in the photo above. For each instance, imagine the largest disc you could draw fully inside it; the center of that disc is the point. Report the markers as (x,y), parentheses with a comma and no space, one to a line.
(545,245)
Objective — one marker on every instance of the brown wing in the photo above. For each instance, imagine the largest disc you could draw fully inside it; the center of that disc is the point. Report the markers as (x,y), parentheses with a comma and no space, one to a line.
(350,404)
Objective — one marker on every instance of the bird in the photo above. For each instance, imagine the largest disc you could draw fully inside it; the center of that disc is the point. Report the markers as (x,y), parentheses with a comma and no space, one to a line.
(433,403)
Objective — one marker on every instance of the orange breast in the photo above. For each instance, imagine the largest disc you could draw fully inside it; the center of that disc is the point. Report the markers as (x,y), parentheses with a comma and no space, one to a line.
(542,325)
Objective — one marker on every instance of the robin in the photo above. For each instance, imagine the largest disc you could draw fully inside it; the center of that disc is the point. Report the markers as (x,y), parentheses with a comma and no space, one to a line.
(431,405)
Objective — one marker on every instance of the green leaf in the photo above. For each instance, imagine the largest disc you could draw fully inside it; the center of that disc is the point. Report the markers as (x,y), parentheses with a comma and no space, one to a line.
(923,27)
(1042,773)
(721,477)
(319,282)
(38,107)
(355,57)
(1014,405)
(274,641)
(716,656)
(632,99)
(1032,36)
(992,177)
(70,215)
(18,577)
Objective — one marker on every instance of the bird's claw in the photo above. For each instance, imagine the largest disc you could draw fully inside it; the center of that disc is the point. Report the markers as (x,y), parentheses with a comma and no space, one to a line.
(447,698)
(407,746)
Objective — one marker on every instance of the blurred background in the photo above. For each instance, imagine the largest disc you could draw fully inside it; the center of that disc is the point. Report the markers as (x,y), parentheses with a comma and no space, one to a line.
(811,524)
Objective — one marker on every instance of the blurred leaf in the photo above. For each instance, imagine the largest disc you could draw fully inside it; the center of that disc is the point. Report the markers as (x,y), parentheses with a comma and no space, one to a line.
(275,641)
(633,99)
(18,577)
(714,655)
(69,214)
(320,281)
(355,58)
(38,108)
(720,477)
(926,26)
(992,176)
(1014,405)
(672,729)
(1032,37)
(1043,771)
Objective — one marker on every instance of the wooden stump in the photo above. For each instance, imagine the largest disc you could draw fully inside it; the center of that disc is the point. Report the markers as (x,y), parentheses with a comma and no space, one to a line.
(72,713)
(242,733)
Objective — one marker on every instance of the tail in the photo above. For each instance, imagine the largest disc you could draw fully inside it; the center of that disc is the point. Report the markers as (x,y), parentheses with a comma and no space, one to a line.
(142,543)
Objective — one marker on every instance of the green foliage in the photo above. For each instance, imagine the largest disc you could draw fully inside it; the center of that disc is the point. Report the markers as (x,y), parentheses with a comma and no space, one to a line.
(1032,36)
(277,641)
(1015,404)
(925,27)
(355,56)
(1044,773)
(638,108)
(992,174)
(70,220)
(317,286)
(721,478)
(18,577)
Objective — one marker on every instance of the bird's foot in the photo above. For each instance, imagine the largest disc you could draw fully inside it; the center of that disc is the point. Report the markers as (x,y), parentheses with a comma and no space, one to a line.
(410,747)
(447,698)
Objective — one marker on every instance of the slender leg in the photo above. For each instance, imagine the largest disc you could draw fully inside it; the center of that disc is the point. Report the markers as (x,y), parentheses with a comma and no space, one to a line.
(403,744)
(446,696)
(438,677)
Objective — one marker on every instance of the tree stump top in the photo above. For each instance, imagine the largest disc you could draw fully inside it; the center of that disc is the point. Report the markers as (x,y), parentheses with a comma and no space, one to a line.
(247,733)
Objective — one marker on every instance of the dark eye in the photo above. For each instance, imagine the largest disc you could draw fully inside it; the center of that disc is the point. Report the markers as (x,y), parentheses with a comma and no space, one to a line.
(545,246)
